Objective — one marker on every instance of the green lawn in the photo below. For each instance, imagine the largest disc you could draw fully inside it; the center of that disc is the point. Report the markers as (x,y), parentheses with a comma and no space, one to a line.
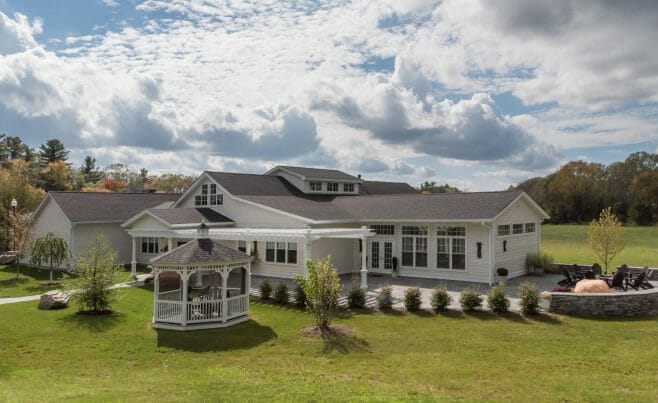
(568,244)
(57,355)
(31,281)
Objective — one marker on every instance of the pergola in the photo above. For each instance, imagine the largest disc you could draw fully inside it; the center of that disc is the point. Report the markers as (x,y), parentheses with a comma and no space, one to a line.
(213,298)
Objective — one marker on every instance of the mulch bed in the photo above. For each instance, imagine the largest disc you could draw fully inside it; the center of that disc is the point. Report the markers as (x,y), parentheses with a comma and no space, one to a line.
(332,331)
(96,313)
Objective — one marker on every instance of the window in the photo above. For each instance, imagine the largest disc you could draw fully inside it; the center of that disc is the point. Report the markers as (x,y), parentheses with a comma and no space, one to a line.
(242,246)
(530,227)
(150,245)
(209,196)
(281,252)
(316,186)
(201,200)
(348,187)
(414,246)
(451,248)
(517,229)
(383,229)
(503,230)
(332,187)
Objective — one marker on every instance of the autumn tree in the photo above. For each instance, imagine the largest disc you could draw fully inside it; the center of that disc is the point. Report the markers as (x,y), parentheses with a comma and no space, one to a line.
(113,185)
(21,226)
(432,187)
(605,237)
(171,183)
(573,190)
(645,188)
(56,176)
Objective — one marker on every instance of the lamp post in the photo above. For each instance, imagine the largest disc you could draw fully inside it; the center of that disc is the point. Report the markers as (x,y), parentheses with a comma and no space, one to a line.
(13,205)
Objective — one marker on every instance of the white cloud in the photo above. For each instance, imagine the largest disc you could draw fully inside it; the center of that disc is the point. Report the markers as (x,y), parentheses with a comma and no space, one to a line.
(17,35)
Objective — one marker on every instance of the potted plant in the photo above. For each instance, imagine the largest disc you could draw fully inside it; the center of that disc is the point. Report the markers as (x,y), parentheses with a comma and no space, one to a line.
(394,261)
(539,264)
(502,275)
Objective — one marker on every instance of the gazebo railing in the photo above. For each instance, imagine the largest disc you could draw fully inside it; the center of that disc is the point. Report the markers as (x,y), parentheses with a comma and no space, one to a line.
(173,295)
(201,310)
(238,306)
(169,311)
(207,310)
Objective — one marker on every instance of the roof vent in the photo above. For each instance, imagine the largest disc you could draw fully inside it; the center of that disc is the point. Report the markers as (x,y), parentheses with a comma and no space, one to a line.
(202,231)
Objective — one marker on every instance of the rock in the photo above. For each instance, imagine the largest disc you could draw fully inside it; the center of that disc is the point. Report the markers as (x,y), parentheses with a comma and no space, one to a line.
(591,286)
(53,300)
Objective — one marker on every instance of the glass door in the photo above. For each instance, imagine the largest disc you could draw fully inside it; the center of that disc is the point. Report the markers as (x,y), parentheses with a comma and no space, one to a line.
(380,255)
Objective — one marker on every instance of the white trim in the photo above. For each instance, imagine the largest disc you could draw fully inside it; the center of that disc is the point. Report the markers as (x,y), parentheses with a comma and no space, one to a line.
(193,186)
(532,203)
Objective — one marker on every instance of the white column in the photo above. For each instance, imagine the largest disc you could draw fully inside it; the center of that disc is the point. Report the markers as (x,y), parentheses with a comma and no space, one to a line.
(133,263)
(225,273)
(308,251)
(198,279)
(170,244)
(364,266)
(156,293)
(185,276)
(248,267)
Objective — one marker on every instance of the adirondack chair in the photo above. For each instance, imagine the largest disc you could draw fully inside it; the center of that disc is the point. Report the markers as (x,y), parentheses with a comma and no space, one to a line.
(596,268)
(637,282)
(568,280)
(617,281)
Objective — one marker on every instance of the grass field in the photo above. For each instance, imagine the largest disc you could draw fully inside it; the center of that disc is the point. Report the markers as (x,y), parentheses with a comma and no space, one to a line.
(57,355)
(568,244)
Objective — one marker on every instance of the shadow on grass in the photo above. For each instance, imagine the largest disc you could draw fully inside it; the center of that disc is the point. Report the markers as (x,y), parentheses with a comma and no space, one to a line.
(544,318)
(345,344)
(93,323)
(241,336)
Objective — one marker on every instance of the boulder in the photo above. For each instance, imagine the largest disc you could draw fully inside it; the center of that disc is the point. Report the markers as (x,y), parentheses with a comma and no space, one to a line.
(53,300)
(588,286)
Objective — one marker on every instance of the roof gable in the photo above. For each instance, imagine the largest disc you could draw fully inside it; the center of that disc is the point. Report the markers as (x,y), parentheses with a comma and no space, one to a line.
(201,251)
(315,173)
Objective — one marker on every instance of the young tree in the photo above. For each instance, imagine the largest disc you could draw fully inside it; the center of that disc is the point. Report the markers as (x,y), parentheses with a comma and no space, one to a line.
(97,271)
(49,249)
(21,235)
(322,289)
(52,151)
(605,237)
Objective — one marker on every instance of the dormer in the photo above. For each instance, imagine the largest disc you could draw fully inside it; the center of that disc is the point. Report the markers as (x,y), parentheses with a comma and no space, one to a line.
(318,181)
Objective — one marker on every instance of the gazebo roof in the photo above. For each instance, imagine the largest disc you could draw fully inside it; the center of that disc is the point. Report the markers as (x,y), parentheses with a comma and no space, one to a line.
(202,251)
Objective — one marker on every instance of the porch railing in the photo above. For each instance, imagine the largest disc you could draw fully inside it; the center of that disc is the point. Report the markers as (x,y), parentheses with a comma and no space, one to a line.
(201,310)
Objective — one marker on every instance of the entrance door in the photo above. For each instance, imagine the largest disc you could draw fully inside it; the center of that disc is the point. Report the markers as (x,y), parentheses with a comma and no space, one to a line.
(380,255)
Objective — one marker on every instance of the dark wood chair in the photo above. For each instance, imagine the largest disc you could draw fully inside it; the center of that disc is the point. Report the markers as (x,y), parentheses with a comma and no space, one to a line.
(617,281)
(596,268)
(637,281)
(568,280)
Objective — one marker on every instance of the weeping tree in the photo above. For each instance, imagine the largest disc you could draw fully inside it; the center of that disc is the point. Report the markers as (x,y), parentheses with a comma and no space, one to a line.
(51,250)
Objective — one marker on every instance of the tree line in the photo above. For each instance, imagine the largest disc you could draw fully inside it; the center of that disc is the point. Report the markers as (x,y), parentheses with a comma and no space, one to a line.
(26,174)
(579,190)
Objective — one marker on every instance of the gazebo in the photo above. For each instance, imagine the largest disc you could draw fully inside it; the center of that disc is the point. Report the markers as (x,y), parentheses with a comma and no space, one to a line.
(202,284)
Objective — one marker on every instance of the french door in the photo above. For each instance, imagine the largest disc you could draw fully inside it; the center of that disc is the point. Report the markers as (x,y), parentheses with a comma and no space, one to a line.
(380,255)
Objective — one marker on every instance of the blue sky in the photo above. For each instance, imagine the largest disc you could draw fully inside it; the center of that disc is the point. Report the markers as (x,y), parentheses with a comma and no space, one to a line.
(475,93)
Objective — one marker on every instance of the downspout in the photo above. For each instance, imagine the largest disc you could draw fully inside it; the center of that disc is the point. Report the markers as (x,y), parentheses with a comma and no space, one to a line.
(492,248)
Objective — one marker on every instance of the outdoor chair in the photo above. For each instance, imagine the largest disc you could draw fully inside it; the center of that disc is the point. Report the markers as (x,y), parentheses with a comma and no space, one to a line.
(617,281)
(596,268)
(623,268)
(646,283)
(568,280)
(636,283)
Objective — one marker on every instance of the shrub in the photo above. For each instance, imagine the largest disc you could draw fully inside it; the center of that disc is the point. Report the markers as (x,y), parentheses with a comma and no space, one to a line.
(97,271)
(497,300)
(322,289)
(281,294)
(470,299)
(385,297)
(356,297)
(529,298)
(543,261)
(501,271)
(440,298)
(412,299)
(300,295)
(266,290)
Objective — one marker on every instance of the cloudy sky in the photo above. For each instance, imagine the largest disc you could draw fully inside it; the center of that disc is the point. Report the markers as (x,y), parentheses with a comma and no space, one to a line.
(479,94)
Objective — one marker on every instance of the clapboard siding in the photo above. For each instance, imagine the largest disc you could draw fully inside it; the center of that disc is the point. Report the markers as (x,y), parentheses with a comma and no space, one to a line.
(341,252)
(51,218)
(117,237)
(520,245)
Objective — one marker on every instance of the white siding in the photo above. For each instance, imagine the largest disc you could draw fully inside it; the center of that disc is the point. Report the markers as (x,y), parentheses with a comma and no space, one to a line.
(342,253)
(262,268)
(118,238)
(293,179)
(51,218)
(520,245)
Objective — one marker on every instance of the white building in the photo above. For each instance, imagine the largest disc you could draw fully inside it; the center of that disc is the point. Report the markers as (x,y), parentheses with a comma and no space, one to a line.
(290,214)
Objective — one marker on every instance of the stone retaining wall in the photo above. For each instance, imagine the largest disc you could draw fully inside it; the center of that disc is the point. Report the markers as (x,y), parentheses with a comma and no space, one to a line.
(630,303)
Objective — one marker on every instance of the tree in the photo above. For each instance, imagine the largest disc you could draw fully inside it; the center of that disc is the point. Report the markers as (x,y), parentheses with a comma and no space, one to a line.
(431,187)
(97,271)
(575,190)
(113,185)
(21,235)
(645,188)
(171,183)
(49,249)
(52,151)
(605,237)
(322,289)
(56,176)
(90,171)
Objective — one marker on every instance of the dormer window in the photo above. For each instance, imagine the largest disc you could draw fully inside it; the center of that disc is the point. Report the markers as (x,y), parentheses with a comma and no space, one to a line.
(332,186)
(209,196)
(316,186)
(348,187)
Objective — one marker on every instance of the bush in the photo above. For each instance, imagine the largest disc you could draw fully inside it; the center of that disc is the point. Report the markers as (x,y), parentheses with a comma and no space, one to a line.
(281,294)
(266,290)
(300,295)
(356,297)
(385,297)
(97,271)
(501,271)
(543,261)
(322,289)
(440,298)
(497,300)
(470,299)
(412,299)
(529,298)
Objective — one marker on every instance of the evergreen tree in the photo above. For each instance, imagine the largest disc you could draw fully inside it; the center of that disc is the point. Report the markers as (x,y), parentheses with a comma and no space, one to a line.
(52,151)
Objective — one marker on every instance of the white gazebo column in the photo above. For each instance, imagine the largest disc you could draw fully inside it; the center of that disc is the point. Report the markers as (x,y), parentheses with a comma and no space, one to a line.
(184,276)
(364,266)
(198,279)
(248,291)
(224,273)
(133,262)
(308,250)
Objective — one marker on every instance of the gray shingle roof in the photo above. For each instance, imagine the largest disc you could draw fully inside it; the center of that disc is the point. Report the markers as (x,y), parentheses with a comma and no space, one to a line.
(190,215)
(250,184)
(319,173)
(386,188)
(201,251)
(447,206)
(115,207)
